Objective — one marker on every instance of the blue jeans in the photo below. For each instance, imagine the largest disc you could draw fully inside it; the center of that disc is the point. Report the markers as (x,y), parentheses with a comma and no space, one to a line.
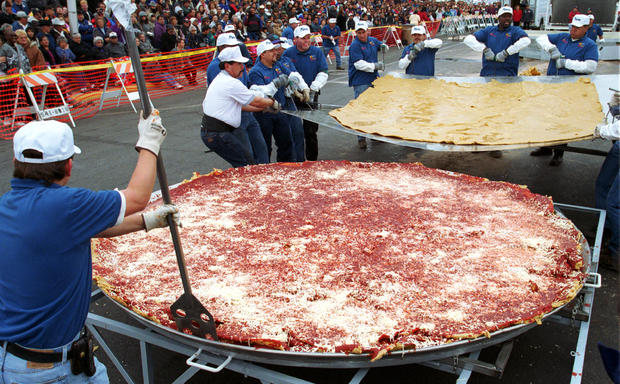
(277,125)
(336,50)
(358,90)
(607,194)
(15,370)
(228,147)
(257,143)
(297,131)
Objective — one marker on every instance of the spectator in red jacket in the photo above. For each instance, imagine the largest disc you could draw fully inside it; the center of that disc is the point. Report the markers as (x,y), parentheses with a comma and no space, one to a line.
(572,14)
(517,15)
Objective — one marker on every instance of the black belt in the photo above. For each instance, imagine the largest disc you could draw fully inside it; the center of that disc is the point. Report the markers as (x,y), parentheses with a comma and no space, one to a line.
(211,124)
(35,356)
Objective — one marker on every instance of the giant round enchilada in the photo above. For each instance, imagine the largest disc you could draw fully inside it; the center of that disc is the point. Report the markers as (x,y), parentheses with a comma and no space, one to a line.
(351,257)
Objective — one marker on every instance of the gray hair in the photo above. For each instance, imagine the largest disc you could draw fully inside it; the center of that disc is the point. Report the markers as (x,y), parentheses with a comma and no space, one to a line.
(97,38)
(61,38)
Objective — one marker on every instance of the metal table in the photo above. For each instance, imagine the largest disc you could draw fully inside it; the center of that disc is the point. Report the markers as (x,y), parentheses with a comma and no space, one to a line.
(602,83)
(241,359)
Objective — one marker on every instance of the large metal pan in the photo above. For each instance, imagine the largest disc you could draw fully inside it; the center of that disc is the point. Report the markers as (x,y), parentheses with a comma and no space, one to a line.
(340,360)
(602,83)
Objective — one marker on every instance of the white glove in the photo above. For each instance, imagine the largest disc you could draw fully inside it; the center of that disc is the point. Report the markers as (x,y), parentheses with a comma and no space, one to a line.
(560,63)
(384,48)
(151,133)
(158,217)
(379,66)
(555,53)
(502,56)
(280,81)
(418,47)
(319,81)
(412,54)
(488,54)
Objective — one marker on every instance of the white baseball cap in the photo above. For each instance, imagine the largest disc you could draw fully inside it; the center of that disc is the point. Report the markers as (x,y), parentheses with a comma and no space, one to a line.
(332,20)
(112,34)
(591,16)
(57,21)
(264,46)
(226,39)
(361,25)
(580,20)
(52,138)
(503,10)
(293,20)
(302,31)
(21,14)
(232,54)
(418,29)
(229,28)
(284,43)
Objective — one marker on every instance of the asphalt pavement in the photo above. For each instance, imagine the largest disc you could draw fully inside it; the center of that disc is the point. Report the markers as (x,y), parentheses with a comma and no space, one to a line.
(541,355)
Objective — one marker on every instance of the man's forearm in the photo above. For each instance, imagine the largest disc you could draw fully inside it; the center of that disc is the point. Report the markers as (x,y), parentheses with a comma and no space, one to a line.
(140,186)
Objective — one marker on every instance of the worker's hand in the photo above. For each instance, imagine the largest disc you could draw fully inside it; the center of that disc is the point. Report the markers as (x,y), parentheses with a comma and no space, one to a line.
(488,54)
(274,108)
(306,94)
(298,95)
(555,53)
(560,63)
(280,81)
(151,132)
(157,218)
(597,130)
(412,54)
(418,47)
(384,48)
(502,56)
(379,66)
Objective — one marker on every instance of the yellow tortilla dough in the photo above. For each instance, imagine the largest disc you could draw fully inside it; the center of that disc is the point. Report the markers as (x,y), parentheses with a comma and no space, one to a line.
(438,111)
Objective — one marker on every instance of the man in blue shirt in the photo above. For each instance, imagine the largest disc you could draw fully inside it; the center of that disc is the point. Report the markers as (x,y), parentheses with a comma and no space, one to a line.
(289,30)
(364,66)
(594,31)
(330,34)
(418,58)
(269,78)
(45,260)
(249,132)
(500,45)
(570,54)
(310,62)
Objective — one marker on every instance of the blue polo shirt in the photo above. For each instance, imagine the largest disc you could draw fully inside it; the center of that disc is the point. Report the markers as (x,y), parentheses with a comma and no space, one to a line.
(214,69)
(45,260)
(288,33)
(424,62)
(594,31)
(328,31)
(260,74)
(498,40)
(286,65)
(582,49)
(363,51)
(308,63)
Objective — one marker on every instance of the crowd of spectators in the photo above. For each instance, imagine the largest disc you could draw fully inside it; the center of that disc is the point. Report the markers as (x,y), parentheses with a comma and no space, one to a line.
(162,24)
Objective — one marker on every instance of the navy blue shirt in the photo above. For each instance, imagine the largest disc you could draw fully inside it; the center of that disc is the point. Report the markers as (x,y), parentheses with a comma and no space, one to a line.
(328,31)
(308,63)
(424,62)
(288,33)
(45,260)
(498,40)
(594,31)
(214,69)
(363,51)
(582,49)
(260,74)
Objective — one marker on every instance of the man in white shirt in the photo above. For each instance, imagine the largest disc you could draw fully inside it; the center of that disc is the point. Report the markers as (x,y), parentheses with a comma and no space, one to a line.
(225,99)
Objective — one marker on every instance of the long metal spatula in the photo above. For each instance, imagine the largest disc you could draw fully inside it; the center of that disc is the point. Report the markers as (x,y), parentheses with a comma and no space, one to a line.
(188,313)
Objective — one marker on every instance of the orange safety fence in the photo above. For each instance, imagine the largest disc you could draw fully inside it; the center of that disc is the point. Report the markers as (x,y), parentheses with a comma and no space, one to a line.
(83,84)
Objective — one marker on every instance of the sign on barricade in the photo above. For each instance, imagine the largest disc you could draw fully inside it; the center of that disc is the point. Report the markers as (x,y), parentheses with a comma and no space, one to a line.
(120,69)
(40,79)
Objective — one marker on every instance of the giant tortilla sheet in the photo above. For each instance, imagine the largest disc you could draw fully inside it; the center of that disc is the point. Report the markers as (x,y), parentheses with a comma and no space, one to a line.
(438,111)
